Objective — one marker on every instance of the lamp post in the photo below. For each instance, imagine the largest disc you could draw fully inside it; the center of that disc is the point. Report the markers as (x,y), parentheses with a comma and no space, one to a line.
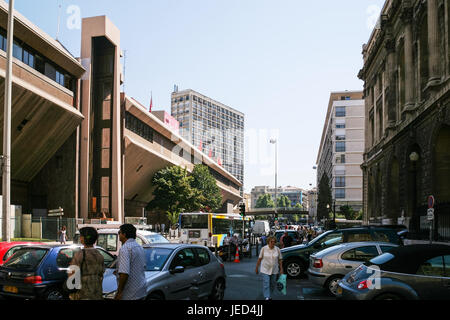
(274,141)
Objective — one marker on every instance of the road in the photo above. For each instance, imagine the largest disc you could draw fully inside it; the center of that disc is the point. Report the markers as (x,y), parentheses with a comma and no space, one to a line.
(244,284)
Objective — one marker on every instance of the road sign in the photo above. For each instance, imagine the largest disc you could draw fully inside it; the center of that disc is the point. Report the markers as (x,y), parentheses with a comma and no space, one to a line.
(430,215)
(56,213)
(430,202)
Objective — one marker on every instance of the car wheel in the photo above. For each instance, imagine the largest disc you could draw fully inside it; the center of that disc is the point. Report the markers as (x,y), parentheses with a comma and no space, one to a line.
(54,294)
(388,296)
(332,285)
(294,269)
(218,291)
(155,296)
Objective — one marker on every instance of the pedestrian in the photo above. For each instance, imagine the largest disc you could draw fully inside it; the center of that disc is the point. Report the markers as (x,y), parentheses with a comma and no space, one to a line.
(91,264)
(271,262)
(286,240)
(130,266)
(263,240)
(63,235)
(163,228)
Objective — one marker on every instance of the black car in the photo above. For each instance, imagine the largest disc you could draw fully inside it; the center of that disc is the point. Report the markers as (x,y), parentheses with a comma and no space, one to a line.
(415,272)
(296,258)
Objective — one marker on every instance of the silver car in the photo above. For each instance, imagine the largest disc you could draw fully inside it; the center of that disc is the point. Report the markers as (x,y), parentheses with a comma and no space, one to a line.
(329,266)
(177,272)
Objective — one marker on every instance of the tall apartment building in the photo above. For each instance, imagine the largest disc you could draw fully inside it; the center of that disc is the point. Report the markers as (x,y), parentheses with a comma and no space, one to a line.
(342,147)
(295,195)
(212,127)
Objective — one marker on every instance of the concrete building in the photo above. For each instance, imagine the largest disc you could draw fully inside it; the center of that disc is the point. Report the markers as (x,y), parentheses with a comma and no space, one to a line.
(212,127)
(79,143)
(312,204)
(295,195)
(407,80)
(342,147)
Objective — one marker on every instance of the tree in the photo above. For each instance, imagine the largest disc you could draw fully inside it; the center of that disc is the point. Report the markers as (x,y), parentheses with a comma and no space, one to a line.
(174,192)
(210,195)
(283,202)
(348,212)
(324,198)
(265,201)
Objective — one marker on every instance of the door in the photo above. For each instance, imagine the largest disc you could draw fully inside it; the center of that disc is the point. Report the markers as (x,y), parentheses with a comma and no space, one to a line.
(208,272)
(430,279)
(183,285)
(353,258)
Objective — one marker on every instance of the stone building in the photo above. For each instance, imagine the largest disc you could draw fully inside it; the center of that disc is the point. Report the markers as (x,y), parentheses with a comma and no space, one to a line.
(407,156)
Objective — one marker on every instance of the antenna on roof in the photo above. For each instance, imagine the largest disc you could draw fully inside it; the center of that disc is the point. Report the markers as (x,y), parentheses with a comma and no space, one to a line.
(59,22)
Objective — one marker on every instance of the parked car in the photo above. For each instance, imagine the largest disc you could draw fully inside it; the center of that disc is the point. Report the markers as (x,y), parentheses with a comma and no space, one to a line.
(414,272)
(296,258)
(329,266)
(39,272)
(7,249)
(108,239)
(178,272)
(296,239)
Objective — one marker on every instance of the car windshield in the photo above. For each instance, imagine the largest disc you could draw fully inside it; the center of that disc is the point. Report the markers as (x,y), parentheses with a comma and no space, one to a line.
(156,258)
(156,238)
(380,260)
(26,259)
(319,238)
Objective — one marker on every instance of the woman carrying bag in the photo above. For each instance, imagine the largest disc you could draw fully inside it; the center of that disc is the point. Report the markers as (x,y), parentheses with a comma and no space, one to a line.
(271,262)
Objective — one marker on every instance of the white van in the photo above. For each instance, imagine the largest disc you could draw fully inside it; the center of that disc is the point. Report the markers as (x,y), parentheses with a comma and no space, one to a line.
(261,227)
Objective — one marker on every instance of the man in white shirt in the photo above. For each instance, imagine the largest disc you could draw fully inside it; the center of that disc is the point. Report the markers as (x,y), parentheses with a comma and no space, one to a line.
(271,261)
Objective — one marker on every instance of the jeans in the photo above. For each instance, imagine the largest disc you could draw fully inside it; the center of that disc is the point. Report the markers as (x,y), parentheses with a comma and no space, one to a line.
(269,285)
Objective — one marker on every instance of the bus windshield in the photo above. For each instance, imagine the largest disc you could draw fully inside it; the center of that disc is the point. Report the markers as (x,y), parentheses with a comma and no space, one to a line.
(221,226)
(191,221)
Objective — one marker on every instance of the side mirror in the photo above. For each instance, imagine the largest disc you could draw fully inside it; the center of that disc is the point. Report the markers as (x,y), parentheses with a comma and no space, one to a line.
(178,269)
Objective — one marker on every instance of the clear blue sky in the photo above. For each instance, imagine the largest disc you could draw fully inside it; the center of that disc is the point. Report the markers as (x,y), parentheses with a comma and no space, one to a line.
(276,61)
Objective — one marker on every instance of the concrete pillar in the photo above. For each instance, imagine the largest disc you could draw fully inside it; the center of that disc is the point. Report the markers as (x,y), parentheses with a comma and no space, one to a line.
(407,17)
(433,42)
(391,100)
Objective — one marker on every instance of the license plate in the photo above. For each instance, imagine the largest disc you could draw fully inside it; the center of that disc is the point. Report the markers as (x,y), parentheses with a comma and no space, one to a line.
(10,289)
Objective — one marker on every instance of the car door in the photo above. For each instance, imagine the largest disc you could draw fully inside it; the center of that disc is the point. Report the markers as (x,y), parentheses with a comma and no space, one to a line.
(429,280)
(208,272)
(180,285)
(353,258)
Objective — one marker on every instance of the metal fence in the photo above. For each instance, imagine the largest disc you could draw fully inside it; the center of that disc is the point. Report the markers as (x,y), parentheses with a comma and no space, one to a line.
(420,226)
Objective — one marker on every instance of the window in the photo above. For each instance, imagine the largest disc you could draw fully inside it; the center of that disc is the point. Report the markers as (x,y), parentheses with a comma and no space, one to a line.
(433,267)
(203,256)
(361,254)
(329,240)
(17,51)
(28,58)
(107,258)
(340,112)
(2,42)
(385,249)
(155,258)
(185,258)
(340,125)
(26,259)
(359,237)
(340,138)
(340,194)
(65,257)
(340,146)
(340,159)
(340,182)
(11,252)
(107,241)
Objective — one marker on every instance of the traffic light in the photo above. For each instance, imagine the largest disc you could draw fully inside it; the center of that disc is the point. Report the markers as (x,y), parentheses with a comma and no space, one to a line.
(242,209)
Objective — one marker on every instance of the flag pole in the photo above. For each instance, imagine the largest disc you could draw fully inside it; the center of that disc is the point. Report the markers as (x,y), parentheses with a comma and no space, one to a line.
(6,158)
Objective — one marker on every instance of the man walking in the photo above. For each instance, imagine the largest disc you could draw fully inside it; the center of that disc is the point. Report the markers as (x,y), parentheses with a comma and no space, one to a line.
(130,266)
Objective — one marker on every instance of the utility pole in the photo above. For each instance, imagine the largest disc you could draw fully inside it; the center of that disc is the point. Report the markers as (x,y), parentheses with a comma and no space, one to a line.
(6,158)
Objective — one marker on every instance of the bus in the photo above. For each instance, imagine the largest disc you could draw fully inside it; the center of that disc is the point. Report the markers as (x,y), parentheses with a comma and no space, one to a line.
(210,229)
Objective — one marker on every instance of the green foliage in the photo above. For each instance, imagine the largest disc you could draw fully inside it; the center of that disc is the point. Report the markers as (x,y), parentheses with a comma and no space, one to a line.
(348,212)
(210,197)
(359,215)
(283,202)
(174,192)
(265,201)
(298,206)
(324,198)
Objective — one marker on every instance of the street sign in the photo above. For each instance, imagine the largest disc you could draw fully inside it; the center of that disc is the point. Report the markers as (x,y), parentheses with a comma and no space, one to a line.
(56,213)
(430,202)
(430,214)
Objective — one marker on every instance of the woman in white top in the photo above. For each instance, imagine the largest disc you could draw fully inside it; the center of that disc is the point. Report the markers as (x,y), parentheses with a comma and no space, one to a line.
(271,263)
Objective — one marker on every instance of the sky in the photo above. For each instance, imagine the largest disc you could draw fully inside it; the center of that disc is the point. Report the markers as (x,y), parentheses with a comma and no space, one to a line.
(275,61)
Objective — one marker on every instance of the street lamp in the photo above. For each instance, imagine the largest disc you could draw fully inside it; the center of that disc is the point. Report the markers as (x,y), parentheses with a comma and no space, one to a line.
(274,141)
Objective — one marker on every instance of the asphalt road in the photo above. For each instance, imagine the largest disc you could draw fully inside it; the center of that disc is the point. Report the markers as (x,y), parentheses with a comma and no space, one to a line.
(244,284)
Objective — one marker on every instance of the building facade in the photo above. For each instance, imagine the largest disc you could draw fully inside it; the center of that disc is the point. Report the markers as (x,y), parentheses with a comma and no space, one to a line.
(312,204)
(342,147)
(214,128)
(295,195)
(407,81)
